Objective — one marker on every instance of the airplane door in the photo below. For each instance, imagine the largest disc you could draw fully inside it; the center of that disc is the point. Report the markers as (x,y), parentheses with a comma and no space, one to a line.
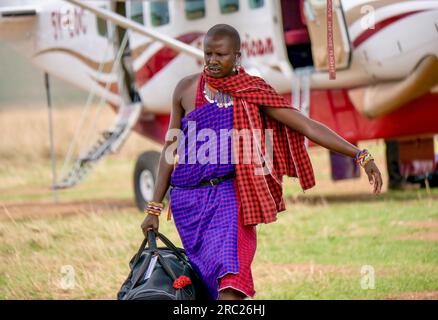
(315,12)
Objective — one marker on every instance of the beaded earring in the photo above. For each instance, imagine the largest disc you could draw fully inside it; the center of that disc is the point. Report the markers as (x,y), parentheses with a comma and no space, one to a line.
(236,67)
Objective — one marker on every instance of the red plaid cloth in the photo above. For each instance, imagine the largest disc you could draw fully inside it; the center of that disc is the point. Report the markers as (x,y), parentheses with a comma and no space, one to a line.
(262,195)
(246,250)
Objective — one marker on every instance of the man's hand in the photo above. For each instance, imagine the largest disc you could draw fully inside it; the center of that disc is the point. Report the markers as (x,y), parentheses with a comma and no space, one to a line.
(374,176)
(150,222)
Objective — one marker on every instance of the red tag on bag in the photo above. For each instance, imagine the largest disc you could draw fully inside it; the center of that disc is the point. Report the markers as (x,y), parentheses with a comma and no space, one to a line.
(181,282)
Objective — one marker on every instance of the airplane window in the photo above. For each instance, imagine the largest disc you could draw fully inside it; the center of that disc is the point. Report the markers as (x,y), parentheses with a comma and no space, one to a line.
(195,9)
(137,11)
(254,4)
(102,28)
(159,13)
(229,6)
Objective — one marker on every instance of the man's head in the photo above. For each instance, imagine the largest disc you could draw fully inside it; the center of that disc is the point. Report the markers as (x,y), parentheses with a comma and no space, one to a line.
(221,50)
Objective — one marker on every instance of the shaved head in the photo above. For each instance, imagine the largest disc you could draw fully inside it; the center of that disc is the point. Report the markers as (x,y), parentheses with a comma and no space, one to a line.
(225,30)
(222,51)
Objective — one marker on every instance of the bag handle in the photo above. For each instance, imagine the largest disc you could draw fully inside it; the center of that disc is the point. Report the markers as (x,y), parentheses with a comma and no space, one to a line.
(152,245)
(171,246)
(152,240)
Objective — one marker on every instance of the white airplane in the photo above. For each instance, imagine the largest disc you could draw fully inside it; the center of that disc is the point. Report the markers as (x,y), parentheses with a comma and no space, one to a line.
(133,53)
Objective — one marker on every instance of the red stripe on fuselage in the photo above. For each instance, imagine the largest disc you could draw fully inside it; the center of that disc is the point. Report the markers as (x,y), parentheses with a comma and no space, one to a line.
(161,58)
(380,26)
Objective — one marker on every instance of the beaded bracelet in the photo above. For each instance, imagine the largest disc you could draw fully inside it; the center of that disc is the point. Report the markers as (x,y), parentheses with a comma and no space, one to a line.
(155,213)
(154,208)
(363,157)
(156,204)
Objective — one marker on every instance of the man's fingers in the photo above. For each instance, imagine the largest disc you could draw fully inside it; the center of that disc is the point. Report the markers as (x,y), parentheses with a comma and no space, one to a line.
(370,178)
(378,184)
(155,226)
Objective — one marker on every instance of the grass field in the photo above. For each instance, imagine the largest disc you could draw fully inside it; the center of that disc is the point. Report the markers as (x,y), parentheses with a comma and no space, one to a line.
(325,246)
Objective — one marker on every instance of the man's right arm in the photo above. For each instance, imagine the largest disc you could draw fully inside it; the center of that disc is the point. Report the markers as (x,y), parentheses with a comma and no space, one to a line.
(165,167)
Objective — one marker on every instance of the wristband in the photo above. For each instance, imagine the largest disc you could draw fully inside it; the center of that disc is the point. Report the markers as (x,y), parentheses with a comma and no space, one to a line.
(363,157)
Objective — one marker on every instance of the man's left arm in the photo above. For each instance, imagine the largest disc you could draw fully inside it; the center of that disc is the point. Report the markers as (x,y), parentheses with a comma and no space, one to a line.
(324,136)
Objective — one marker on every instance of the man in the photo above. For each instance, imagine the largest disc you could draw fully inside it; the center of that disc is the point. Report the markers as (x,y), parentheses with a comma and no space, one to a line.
(216,207)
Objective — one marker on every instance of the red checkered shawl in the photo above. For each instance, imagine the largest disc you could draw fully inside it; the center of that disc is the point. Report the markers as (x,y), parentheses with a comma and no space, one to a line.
(261,195)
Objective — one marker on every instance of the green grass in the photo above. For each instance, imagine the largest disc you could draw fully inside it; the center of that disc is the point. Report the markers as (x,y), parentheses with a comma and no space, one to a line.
(338,239)
(347,237)
(315,250)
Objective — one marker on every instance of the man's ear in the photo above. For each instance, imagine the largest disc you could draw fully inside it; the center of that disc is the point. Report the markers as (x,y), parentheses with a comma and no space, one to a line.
(238,56)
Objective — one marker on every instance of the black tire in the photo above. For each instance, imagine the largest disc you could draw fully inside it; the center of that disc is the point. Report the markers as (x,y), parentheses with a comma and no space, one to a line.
(145,175)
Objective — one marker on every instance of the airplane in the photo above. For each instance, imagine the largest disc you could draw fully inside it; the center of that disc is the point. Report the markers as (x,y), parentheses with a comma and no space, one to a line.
(131,54)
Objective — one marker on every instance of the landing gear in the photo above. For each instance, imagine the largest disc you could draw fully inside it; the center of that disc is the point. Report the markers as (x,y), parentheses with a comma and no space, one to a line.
(410,162)
(145,174)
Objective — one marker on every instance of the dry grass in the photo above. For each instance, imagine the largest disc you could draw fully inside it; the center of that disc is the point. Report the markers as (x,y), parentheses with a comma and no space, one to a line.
(24,133)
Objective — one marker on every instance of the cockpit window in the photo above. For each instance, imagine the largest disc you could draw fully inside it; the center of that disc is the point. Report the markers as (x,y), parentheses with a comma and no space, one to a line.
(195,9)
(229,6)
(136,11)
(159,13)
(254,4)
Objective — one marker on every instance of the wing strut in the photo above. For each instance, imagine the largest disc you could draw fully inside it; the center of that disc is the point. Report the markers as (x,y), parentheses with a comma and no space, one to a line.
(52,145)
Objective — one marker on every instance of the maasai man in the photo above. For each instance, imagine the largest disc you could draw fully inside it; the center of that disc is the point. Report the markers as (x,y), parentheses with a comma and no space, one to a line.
(218,196)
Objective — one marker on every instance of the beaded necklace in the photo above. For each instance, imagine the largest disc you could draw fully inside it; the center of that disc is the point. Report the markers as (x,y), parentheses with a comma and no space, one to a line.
(213,95)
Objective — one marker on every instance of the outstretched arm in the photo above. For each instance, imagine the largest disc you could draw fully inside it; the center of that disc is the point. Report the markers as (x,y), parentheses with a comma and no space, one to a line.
(322,135)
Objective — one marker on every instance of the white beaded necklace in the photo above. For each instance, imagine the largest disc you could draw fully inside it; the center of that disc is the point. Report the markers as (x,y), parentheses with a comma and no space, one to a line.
(221,99)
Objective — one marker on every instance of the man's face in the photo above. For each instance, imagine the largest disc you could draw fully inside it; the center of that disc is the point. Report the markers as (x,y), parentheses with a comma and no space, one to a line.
(219,55)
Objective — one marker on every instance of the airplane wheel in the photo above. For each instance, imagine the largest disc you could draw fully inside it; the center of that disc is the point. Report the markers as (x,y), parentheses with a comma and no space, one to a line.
(145,174)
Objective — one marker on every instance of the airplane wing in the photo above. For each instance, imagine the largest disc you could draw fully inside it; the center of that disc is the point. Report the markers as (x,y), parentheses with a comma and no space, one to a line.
(141,29)
(383,98)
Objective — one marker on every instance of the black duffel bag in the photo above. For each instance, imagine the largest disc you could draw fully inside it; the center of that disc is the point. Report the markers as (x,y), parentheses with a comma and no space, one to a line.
(161,274)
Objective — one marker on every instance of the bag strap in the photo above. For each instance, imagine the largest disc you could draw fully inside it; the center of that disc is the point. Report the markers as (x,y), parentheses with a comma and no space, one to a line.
(141,271)
(139,252)
(152,240)
(152,245)
(172,247)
